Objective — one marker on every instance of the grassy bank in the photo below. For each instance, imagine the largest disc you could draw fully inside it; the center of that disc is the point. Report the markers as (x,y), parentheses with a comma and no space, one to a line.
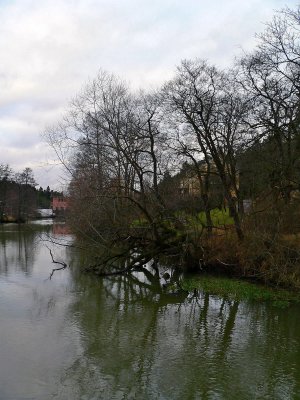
(219,217)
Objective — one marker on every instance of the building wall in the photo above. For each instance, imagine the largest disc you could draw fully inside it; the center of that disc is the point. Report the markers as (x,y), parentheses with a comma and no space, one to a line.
(59,204)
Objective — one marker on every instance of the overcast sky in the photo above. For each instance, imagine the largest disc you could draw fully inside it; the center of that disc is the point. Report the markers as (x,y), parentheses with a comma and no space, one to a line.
(50,48)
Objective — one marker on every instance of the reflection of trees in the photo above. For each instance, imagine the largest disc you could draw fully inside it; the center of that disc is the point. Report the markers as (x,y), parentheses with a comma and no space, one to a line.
(130,338)
(122,315)
(140,342)
(17,249)
(18,246)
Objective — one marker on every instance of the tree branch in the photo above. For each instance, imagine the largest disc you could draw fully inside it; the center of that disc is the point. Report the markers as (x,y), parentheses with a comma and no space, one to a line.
(63,265)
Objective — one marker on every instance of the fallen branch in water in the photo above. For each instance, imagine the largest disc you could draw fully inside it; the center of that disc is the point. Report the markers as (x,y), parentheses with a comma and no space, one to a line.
(134,264)
(63,265)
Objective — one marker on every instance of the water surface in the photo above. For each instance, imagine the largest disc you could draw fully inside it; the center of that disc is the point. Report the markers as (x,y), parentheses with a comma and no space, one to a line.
(81,337)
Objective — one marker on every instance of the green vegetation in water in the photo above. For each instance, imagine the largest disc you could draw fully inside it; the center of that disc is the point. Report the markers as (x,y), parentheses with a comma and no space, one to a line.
(241,290)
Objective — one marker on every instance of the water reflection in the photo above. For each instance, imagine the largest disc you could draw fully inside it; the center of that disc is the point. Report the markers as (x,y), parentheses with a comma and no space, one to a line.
(18,248)
(77,337)
(202,348)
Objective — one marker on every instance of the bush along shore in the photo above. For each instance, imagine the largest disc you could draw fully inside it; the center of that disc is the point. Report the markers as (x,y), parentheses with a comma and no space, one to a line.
(260,268)
(269,252)
(186,244)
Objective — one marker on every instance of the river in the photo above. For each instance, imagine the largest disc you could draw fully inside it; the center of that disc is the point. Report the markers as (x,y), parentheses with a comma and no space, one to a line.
(75,336)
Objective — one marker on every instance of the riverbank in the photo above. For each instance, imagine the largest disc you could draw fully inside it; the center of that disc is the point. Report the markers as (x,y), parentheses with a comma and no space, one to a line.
(14,220)
(272,263)
(269,252)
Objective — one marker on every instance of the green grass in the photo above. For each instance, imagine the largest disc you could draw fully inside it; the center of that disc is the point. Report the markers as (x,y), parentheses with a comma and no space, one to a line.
(219,217)
(140,223)
(241,290)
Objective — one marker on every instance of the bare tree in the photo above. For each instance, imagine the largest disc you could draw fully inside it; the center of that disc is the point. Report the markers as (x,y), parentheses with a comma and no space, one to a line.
(113,144)
(205,100)
(270,77)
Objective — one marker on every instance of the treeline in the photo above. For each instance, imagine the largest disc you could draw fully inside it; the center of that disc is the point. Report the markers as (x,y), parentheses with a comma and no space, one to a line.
(125,151)
(19,197)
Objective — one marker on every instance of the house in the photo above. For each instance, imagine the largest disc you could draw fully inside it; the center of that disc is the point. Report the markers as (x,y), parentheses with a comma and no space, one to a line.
(189,184)
(59,205)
